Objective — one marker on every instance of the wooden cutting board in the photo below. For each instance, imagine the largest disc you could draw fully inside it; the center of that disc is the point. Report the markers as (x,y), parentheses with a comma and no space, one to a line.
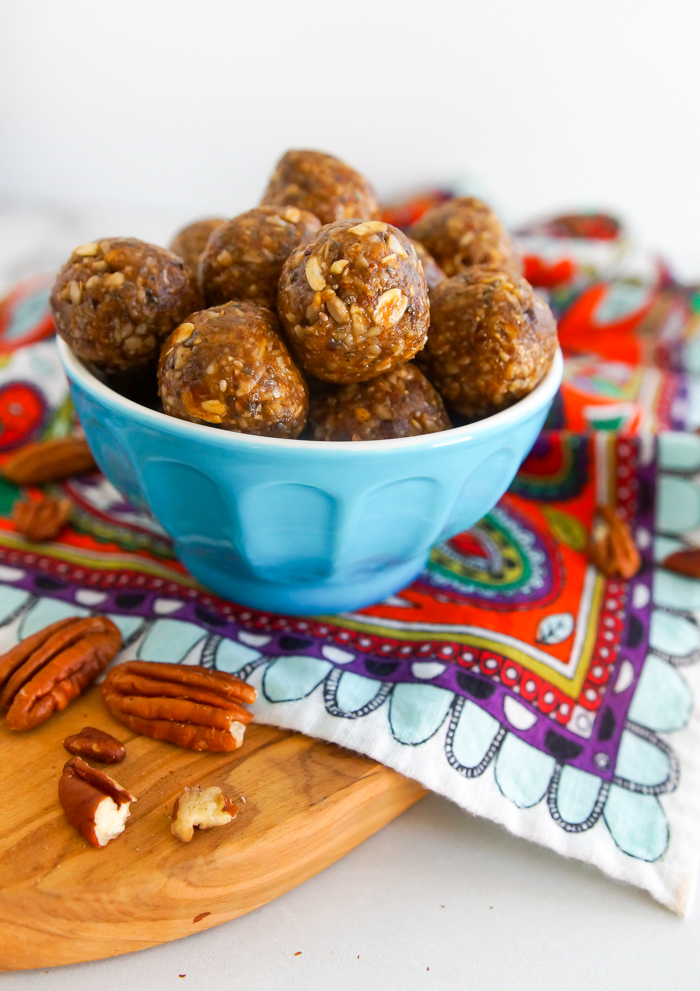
(62,901)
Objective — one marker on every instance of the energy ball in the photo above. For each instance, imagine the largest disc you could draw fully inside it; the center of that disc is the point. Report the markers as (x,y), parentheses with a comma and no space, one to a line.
(314,181)
(492,338)
(354,301)
(465,232)
(434,275)
(399,403)
(229,366)
(190,241)
(116,300)
(243,258)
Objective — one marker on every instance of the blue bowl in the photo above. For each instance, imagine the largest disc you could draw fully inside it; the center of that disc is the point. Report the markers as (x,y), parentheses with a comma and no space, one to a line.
(301,526)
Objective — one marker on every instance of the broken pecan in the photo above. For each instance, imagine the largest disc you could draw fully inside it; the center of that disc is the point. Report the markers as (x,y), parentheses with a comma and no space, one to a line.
(95,743)
(93,802)
(201,808)
(190,706)
(40,519)
(44,672)
(49,461)
(611,546)
(686,562)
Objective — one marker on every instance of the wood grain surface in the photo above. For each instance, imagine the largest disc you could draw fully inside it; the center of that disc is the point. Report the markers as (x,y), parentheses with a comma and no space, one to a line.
(62,901)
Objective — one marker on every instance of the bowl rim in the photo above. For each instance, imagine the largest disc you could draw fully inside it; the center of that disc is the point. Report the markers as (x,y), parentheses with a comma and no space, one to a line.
(542,394)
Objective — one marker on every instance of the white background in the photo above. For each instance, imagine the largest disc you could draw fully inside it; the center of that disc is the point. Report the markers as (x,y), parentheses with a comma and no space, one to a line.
(144,114)
(134,117)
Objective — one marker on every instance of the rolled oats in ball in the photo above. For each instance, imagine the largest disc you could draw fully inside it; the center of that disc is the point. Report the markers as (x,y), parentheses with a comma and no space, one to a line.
(243,258)
(465,232)
(398,403)
(190,241)
(492,339)
(116,300)
(354,301)
(327,187)
(228,366)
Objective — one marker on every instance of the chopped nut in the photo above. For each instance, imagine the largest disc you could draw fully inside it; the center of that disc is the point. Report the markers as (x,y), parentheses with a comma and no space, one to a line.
(201,808)
(314,274)
(95,743)
(224,257)
(368,227)
(40,519)
(48,461)
(85,250)
(76,292)
(93,802)
(115,279)
(396,246)
(182,333)
(291,214)
(92,281)
(685,562)
(214,406)
(611,546)
(338,310)
(339,266)
(390,307)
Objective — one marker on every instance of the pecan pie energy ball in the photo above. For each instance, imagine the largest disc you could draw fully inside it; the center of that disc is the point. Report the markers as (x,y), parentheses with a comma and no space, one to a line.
(190,241)
(116,300)
(228,366)
(354,301)
(314,181)
(244,257)
(399,403)
(492,338)
(465,232)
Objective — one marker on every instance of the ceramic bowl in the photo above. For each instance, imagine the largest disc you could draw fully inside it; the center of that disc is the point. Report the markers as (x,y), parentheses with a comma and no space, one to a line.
(301,526)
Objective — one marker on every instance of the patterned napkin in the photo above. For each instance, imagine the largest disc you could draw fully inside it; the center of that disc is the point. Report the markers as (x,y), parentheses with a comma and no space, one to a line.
(511,676)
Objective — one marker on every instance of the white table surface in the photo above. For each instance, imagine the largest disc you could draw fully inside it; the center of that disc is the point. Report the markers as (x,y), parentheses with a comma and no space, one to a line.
(436,900)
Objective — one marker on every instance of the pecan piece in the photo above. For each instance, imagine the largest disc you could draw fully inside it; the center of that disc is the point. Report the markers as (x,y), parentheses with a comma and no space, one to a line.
(611,547)
(49,461)
(40,519)
(44,672)
(686,562)
(93,802)
(201,808)
(95,743)
(192,707)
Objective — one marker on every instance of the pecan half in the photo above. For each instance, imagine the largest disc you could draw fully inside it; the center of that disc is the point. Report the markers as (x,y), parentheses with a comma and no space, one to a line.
(40,519)
(686,562)
(49,461)
(44,672)
(611,547)
(93,802)
(201,808)
(95,743)
(192,707)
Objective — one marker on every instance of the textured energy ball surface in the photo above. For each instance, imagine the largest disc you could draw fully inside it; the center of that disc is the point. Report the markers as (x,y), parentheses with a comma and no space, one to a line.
(492,339)
(434,275)
(243,258)
(354,301)
(116,300)
(327,187)
(190,241)
(228,366)
(399,403)
(465,232)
